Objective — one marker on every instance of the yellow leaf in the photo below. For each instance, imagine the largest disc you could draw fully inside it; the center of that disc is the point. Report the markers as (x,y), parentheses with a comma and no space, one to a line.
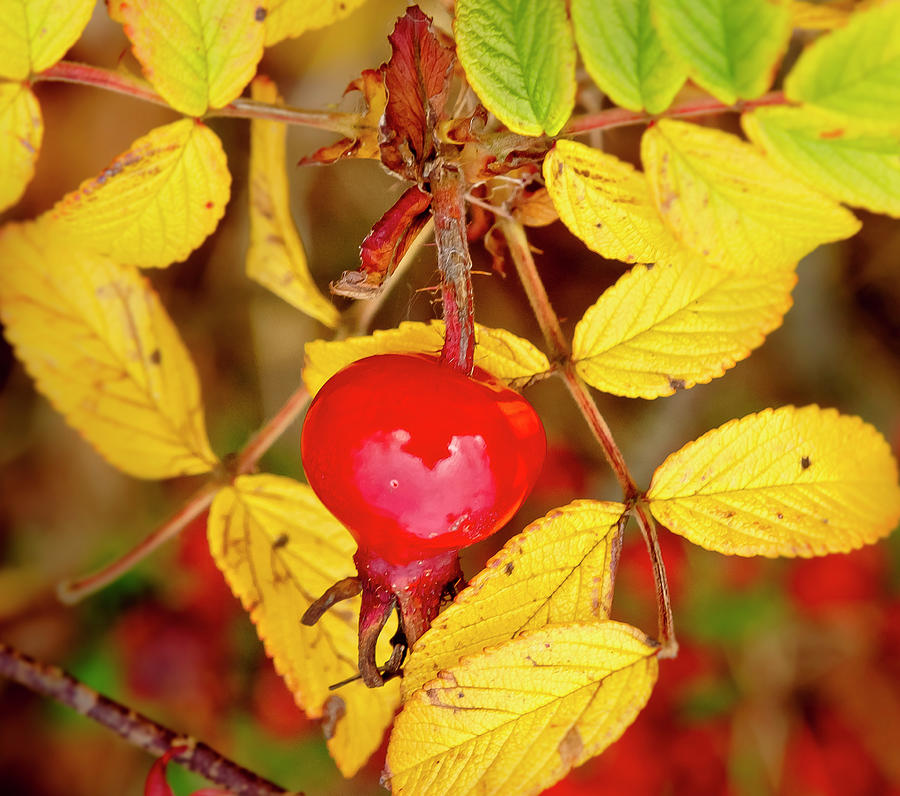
(727,202)
(35,34)
(157,202)
(197,54)
(560,569)
(21,133)
(496,350)
(276,258)
(783,482)
(676,324)
(289,18)
(517,718)
(606,203)
(280,549)
(101,347)
(853,165)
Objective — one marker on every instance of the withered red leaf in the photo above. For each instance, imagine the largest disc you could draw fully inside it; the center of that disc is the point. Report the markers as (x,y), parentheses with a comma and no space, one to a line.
(371,85)
(417,78)
(386,244)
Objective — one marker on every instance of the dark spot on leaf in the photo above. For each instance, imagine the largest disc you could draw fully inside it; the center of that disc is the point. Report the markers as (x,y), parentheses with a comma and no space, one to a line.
(599,225)
(677,384)
(260,14)
(281,541)
(460,695)
(804,462)
(780,515)
(508,569)
(571,747)
(824,520)
(155,356)
(333,711)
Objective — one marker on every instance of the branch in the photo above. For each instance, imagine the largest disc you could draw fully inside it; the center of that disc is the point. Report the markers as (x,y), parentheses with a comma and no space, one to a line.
(620,117)
(135,728)
(347,124)
(72,591)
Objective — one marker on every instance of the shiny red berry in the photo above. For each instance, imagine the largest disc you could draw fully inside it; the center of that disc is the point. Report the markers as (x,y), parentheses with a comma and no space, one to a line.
(415,457)
(418,460)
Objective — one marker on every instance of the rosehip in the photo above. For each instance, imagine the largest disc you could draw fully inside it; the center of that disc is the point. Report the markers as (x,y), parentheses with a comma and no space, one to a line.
(417,459)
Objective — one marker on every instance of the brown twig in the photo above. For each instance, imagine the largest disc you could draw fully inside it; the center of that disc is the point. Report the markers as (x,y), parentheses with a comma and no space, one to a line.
(135,728)
(620,117)
(347,124)
(72,591)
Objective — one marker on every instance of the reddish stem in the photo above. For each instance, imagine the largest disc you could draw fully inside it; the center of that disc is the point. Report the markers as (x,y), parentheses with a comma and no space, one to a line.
(72,591)
(455,263)
(663,600)
(620,117)
(87,75)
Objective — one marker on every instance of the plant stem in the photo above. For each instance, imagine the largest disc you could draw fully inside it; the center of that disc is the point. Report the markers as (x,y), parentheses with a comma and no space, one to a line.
(580,392)
(455,263)
(663,600)
(347,124)
(254,450)
(547,319)
(108,79)
(135,728)
(72,591)
(621,117)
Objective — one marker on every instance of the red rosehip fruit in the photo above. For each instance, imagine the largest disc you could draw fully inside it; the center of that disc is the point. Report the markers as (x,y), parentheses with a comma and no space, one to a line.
(417,460)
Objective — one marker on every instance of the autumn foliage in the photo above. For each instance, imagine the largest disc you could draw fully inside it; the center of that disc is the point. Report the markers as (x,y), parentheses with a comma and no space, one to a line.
(533,669)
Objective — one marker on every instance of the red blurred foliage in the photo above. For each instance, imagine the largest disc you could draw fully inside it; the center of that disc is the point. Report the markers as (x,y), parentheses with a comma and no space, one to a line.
(829,583)
(565,473)
(635,573)
(274,707)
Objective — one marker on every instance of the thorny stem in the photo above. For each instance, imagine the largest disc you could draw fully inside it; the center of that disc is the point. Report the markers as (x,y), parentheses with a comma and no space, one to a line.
(135,728)
(620,117)
(455,263)
(72,591)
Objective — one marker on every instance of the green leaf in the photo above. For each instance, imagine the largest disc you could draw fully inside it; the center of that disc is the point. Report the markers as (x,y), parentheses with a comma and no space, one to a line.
(624,55)
(855,70)
(730,47)
(520,59)
(861,168)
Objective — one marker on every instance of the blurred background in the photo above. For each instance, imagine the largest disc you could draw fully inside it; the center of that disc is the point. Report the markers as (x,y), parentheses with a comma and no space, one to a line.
(788,679)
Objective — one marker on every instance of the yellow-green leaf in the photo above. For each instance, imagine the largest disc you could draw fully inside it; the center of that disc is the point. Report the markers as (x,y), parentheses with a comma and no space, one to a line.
(280,549)
(677,324)
(560,569)
(496,350)
(783,482)
(100,346)
(35,34)
(156,202)
(517,718)
(21,133)
(520,59)
(730,47)
(607,204)
(855,166)
(854,71)
(624,55)
(287,19)
(276,258)
(198,54)
(726,201)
